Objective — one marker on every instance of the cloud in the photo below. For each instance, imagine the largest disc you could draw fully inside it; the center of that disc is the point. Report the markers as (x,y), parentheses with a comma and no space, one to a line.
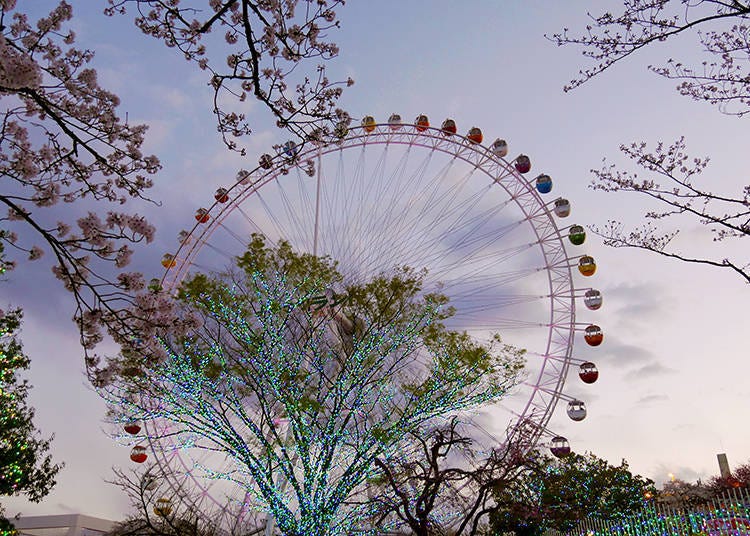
(580,391)
(650,399)
(649,371)
(621,355)
(638,300)
(175,98)
(159,133)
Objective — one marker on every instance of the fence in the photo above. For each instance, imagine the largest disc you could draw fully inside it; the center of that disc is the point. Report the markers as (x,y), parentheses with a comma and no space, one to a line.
(726,515)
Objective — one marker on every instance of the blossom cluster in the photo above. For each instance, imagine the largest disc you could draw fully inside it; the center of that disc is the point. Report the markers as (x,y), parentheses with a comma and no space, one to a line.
(264,41)
(64,141)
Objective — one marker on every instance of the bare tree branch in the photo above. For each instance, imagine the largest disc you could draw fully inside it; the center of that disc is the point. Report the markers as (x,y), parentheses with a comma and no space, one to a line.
(727,216)
(725,82)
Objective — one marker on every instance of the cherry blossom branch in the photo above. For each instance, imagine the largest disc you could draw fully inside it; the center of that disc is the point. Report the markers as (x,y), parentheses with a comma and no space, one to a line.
(727,216)
(266,43)
(62,140)
(609,39)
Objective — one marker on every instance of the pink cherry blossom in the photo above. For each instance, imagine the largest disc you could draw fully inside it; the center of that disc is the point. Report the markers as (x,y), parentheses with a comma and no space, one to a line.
(41,124)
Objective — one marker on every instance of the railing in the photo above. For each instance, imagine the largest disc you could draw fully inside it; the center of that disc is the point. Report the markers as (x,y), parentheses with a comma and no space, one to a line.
(725,515)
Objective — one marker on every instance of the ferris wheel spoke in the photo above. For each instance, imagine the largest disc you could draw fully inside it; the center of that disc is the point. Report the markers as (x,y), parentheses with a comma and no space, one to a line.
(242,239)
(438,206)
(499,303)
(384,221)
(298,229)
(272,216)
(461,210)
(473,269)
(396,185)
(338,198)
(378,183)
(356,214)
(321,214)
(499,282)
(332,188)
(355,211)
(495,230)
(256,228)
(392,198)
(215,265)
(305,211)
(392,219)
(471,227)
(462,243)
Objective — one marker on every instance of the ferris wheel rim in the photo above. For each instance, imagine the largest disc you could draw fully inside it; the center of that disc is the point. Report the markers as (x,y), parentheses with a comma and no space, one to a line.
(434,139)
(562,292)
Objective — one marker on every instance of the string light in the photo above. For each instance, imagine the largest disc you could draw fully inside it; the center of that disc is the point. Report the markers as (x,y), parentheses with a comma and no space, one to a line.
(266,352)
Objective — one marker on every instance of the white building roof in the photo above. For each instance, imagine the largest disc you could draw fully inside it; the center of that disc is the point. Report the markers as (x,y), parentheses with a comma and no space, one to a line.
(62,525)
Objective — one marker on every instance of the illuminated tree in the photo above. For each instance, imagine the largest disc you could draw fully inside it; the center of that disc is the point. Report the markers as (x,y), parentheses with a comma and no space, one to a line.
(670,174)
(558,494)
(25,469)
(351,367)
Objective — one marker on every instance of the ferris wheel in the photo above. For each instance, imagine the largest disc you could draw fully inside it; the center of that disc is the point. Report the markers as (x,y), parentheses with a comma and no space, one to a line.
(382,195)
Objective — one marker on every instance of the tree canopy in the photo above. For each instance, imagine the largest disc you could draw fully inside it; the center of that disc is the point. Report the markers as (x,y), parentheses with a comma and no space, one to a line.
(25,467)
(559,493)
(287,368)
(262,46)
(64,139)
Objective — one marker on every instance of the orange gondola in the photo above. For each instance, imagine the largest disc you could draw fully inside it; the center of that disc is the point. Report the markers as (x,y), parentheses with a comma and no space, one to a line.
(448,127)
(368,123)
(201,215)
(475,135)
(587,265)
(593,335)
(588,372)
(138,454)
(221,195)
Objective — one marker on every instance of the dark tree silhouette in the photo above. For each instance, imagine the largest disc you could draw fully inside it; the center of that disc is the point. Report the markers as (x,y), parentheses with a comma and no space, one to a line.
(445,486)
(157,512)
(558,494)
(25,467)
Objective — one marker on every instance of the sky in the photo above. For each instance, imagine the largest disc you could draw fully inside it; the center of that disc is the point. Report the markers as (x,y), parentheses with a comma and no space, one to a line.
(672,391)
